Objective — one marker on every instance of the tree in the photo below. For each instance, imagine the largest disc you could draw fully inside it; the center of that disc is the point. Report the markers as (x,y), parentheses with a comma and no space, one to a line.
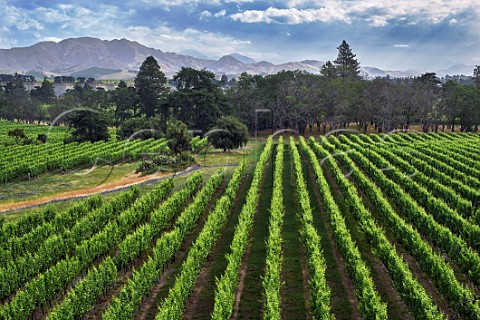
(427,89)
(90,125)
(189,78)
(141,128)
(18,134)
(44,93)
(17,100)
(179,138)
(476,76)
(198,100)
(346,63)
(329,71)
(229,133)
(125,100)
(151,85)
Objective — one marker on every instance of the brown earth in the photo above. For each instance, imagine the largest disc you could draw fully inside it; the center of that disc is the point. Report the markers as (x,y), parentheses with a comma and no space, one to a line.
(129,180)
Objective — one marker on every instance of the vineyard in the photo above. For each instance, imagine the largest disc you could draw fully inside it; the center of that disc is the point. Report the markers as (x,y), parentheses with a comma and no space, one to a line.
(383,226)
(33,160)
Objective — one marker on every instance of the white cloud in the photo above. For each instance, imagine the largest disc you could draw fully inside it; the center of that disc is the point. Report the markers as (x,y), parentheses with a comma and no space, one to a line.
(221,13)
(292,15)
(401,45)
(205,15)
(377,13)
(108,22)
(14,17)
(52,15)
(453,21)
(54,39)
(377,21)
(168,39)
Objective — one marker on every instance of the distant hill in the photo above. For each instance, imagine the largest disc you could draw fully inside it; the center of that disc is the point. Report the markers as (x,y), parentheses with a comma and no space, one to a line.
(121,59)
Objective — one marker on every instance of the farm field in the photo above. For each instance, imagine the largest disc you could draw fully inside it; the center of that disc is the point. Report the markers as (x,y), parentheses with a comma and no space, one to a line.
(347,227)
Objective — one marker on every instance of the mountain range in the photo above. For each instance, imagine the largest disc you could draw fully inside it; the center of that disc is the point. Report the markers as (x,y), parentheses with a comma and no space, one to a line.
(121,59)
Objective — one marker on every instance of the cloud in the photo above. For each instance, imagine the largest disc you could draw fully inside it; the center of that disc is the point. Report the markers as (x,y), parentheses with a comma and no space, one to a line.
(205,15)
(401,45)
(377,13)
(168,39)
(54,39)
(292,15)
(110,22)
(378,21)
(14,17)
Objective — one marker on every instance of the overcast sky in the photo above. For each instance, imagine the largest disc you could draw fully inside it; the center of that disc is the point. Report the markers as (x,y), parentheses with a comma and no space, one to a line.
(389,34)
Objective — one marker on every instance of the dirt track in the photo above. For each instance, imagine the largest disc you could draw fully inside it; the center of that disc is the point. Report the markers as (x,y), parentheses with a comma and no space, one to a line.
(103,188)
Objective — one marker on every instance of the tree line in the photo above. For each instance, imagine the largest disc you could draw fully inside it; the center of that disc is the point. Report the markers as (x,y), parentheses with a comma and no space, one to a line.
(337,97)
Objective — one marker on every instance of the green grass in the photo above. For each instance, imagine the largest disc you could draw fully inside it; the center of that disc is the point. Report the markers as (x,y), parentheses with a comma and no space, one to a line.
(293,298)
(394,309)
(57,183)
(341,306)
(251,304)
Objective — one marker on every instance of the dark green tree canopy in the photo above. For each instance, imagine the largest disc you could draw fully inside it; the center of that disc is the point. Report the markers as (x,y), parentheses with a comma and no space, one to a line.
(229,133)
(476,76)
(125,100)
(179,138)
(17,133)
(44,93)
(189,78)
(141,128)
(329,71)
(346,63)
(90,125)
(199,101)
(151,85)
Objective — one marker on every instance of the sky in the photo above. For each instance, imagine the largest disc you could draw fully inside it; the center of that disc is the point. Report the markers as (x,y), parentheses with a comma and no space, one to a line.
(421,35)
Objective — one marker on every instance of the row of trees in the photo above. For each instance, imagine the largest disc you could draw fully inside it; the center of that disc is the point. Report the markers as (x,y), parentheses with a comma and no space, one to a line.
(337,96)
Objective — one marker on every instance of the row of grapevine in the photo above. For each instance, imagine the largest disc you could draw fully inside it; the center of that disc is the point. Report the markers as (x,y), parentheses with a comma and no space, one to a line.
(47,285)
(56,247)
(437,208)
(433,183)
(199,143)
(26,223)
(319,290)
(411,291)
(465,191)
(273,270)
(141,282)
(227,284)
(33,130)
(370,304)
(14,247)
(144,236)
(462,299)
(173,305)
(450,160)
(87,291)
(466,148)
(459,156)
(464,256)
(73,155)
(445,168)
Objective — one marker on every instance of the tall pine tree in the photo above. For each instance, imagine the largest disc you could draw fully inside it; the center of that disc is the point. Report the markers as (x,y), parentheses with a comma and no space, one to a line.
(151,85)
(347,65)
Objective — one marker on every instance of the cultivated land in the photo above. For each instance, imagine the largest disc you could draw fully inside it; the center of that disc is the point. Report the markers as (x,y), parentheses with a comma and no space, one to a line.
(358,226)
